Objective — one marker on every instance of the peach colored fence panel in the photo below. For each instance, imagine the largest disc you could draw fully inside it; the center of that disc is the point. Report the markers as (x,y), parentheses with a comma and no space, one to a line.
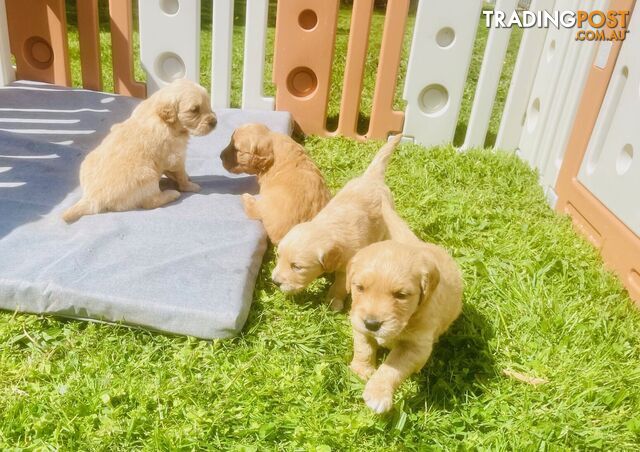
(601,101)
(305,35)
(88,31)
(122,48)
(38,37)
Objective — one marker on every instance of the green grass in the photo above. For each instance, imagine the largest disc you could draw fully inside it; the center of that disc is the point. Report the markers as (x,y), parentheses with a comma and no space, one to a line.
(537,300)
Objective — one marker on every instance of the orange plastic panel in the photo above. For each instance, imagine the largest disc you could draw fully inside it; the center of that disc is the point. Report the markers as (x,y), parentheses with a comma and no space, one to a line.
(38,39)
(354,68)
(304,44)
(88,30)
(383,117)
(619,246)
(122,49)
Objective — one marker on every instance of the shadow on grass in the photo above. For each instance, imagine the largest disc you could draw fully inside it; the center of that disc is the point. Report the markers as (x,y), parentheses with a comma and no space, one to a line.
(461,362)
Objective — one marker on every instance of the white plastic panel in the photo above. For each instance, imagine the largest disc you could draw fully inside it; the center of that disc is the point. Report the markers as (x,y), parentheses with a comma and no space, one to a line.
(611,166)
(169,41)
(254,57)
(6,70)
(522,79)
(545,95)
(221,53)
(443,39)
(490,72)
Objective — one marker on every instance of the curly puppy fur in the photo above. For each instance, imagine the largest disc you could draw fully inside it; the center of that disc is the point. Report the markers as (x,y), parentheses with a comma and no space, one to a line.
(124,171)
(405,294)
(292,189)
(349,222)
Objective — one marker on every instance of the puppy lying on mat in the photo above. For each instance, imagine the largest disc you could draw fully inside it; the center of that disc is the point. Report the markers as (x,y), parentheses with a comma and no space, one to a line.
(405,294)
(351,221)
(124,171)
(292,189)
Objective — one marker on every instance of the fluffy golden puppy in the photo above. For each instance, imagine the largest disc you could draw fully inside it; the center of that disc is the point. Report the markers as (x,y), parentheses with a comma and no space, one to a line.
(405,294)
(124,171)
(349,222)
(292,189)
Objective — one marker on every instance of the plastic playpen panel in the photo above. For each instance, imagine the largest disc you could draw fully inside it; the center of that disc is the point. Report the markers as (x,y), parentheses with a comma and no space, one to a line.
(221,53)
(441,51)
(253,97)
(611,166)
(89,36)
(169,41)
(490,72)
(618,244)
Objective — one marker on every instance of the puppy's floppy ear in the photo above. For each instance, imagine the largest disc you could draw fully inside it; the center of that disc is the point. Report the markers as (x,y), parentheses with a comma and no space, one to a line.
(262,150)
(429,277)
(167,111)
(330,258)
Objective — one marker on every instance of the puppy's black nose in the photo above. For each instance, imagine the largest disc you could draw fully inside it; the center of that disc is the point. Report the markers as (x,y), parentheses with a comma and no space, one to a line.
(213,121)
(372,325)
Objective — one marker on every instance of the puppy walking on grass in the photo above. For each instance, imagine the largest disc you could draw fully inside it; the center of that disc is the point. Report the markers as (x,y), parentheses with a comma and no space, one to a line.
(349,222)
(405,294)
(124,171)
(292,189)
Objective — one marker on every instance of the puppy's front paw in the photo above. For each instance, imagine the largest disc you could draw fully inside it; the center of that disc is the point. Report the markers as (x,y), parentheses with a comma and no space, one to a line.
(362,370)
(336,304)
(250,206)
(190,187)
(378,397)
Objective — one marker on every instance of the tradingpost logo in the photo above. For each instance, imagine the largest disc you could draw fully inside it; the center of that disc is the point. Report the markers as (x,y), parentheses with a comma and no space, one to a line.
(593,25)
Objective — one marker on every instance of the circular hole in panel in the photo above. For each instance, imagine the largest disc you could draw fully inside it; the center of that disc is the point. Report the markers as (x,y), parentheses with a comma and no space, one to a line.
(38,52)
(552,50)
(433,99)
(624,160)
(302,82)
(170,7)
(169,67)
(308,19)
(445,37)
(532,117)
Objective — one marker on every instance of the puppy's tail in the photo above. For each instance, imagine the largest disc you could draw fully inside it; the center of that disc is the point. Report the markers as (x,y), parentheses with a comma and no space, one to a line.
(76,211)
(378,165)
(398,229)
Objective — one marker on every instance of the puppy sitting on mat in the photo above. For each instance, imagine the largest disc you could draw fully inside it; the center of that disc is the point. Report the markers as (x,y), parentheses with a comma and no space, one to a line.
(292,189)
(349,222)
(124,171)
(405,294)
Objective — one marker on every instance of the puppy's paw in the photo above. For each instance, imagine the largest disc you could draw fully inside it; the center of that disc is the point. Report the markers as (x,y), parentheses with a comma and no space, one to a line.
(378,397)
(250,206)
(171,195)
(336,304)
(362,370)
(190,187)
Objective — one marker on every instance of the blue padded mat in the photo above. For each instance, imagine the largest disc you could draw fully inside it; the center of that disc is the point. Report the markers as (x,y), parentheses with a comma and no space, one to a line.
(186,268)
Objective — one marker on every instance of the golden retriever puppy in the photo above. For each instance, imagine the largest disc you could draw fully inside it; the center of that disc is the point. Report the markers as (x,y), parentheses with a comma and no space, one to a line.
(405,294)
(292,189)
(349,222)
(124,171)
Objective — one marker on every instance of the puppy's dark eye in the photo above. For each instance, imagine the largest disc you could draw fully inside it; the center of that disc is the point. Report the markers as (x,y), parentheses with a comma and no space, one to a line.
(358,287)
(195,109)
(295,267)
(400,295)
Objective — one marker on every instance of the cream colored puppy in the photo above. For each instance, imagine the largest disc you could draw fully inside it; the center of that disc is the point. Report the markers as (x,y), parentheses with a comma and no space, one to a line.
(349,222)
(124,171)
(292,189)
(405,294)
